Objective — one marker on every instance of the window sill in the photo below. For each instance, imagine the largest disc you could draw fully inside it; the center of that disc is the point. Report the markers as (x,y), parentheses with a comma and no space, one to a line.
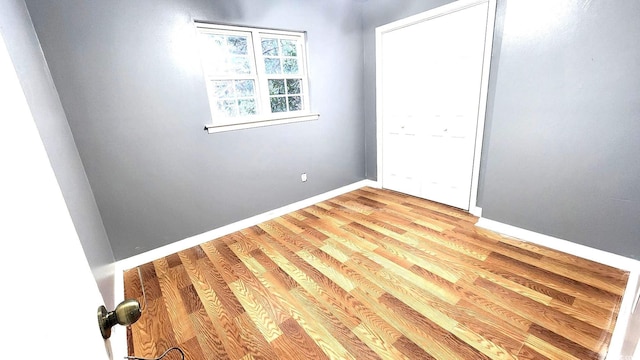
(261,122)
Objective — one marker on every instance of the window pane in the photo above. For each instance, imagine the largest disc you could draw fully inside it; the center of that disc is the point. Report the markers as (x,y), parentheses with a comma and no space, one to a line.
(223,89)
(290,66)
(293,86)
(237,45)
(215,41)
(270,47)
(295,103)
(214,54)
(272,66)
(244,88)
(240,65)
(228,108)
(278,104)
(289,47)
(247,107)
(276,87)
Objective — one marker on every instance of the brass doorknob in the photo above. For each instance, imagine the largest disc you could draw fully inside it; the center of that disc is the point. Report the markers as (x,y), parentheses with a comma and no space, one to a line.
(126,313)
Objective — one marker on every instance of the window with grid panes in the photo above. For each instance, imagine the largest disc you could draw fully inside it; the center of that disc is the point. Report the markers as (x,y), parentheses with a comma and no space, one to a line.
(254,77)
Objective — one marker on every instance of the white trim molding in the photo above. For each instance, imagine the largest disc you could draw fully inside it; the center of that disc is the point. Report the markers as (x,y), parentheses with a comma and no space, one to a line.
(476,211)
(629,298)
(583,251)
(266,121)
(482,108)
(180,245)
(375,184)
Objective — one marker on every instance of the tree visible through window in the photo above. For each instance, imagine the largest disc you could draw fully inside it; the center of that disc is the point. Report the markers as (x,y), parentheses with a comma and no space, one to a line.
(253,75)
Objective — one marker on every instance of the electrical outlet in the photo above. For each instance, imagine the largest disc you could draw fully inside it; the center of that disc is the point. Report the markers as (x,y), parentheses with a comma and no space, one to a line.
(303,177)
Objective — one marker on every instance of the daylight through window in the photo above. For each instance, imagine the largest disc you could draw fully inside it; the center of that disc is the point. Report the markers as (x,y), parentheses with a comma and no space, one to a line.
(254,77)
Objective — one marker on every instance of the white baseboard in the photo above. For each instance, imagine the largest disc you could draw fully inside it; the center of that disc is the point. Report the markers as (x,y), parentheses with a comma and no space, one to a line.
(583,251)
(476,211)
(629,298)
(180,245)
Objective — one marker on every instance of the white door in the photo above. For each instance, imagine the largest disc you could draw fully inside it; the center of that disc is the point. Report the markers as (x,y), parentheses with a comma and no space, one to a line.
(50,299)
(430,83)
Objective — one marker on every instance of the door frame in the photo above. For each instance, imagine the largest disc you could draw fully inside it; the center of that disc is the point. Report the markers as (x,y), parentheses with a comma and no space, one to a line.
(484,84)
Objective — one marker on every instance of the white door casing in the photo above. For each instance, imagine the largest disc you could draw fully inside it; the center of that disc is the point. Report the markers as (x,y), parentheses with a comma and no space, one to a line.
(50,297)
(432,79)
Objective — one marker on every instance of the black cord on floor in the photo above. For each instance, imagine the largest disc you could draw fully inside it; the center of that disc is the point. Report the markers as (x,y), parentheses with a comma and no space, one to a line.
(159,357)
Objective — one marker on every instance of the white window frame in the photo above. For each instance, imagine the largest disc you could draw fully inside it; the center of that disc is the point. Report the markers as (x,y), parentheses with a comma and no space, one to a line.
(264,117)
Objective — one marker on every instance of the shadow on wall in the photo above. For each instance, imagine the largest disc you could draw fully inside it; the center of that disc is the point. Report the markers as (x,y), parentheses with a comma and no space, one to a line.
(340,9)
(334,11)
(501,8)
(231,10)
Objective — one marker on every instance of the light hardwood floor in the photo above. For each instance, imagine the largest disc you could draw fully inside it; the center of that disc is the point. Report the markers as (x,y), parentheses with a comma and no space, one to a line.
(374,274)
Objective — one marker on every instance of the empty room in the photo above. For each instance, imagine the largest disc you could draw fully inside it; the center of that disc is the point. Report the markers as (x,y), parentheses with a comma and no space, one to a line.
(321,179)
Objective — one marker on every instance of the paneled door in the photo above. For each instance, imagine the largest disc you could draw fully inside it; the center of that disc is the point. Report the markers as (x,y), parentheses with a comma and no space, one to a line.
(430,83)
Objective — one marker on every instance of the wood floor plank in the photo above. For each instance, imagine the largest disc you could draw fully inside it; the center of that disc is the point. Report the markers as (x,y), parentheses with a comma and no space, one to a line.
(192,349)
(453,244)
(257,347)
(178,314)
(150,284)
(218,314)
(410,350)
(419,336)
(591,314)
(264,321)
(325,290)
(556,281)
(384,349)
(262,295)
(374,274)
(446,339)
(545,349)
(563,343)
(573,329)
(296,343)
(208,337)
(527,353)
(133,290)
(470,268)
(219,275)
(152,334)
(386,236)
(608,281)
(332,322)
(318,333)
(598,270)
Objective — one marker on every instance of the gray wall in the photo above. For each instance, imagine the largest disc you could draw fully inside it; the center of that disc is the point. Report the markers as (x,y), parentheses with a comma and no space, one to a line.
(131,84)
(562,139)
(561,144)
(43,100)
(564,153)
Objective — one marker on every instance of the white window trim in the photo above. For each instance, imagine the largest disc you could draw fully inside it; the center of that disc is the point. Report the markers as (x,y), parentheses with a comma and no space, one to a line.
(266,122)
(264,119)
